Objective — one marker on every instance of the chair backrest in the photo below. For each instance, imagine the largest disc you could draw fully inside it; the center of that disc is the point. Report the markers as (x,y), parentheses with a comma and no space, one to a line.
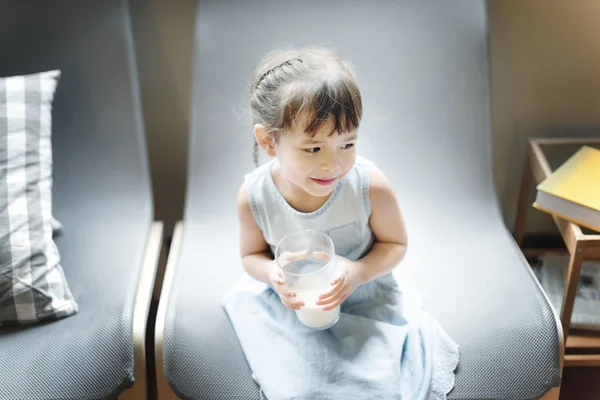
(423,71)
(97,131)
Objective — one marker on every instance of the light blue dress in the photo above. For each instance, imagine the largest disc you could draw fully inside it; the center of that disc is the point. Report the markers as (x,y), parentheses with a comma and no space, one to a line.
(384,346)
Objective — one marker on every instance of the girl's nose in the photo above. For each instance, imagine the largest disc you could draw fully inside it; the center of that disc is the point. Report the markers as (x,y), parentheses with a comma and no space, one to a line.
(329,162)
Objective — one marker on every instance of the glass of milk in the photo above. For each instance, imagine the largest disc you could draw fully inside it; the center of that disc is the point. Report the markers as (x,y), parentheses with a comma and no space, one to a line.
(307,259)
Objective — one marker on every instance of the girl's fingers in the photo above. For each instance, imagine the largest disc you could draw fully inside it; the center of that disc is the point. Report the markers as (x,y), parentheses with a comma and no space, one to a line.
(341,277)
(334,305)
(284,292)
(322,255)
(294,305)
(298,255)
(287,298)
(333,291)
(287,257)
(327,302)
(278,280)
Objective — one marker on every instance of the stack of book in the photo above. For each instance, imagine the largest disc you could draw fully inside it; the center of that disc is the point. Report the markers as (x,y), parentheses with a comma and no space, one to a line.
(572,192)
(552,274)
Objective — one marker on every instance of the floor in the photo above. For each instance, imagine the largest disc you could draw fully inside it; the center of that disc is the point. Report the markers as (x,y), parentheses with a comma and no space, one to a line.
(580,384)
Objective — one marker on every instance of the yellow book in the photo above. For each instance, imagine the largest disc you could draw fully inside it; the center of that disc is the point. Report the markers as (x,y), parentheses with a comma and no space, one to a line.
(572,192)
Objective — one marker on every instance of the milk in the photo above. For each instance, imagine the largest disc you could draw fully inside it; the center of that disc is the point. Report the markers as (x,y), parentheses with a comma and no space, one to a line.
(313,315)
(310,278)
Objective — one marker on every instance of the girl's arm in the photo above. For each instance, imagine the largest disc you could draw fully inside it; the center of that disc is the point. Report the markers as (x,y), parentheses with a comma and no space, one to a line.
(256,255)
(388,227)
(254,250)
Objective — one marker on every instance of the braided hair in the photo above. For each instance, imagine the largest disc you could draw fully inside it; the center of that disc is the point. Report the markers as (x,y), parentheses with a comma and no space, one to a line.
(313,82)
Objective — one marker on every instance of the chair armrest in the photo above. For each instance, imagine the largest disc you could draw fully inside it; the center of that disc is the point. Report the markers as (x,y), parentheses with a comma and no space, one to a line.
(141,309)
(164,391)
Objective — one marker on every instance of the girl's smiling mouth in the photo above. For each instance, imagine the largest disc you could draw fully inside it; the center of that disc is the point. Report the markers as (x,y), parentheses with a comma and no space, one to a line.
(324,182)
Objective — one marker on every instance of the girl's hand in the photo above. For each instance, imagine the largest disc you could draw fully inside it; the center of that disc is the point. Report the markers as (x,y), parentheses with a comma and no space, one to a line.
(348,280)
(277,279)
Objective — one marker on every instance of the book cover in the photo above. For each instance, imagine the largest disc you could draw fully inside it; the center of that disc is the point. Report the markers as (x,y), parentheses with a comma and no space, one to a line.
(577,180)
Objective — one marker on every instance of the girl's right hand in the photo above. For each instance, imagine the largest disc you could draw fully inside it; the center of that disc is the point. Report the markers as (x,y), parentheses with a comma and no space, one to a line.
(278,283)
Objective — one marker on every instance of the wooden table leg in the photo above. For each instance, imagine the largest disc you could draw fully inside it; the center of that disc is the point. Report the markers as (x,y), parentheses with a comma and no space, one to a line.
(553,394)
(570,292)
(524,199)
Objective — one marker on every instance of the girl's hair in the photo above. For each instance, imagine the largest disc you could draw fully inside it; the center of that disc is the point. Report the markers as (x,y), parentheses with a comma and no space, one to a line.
(313,83)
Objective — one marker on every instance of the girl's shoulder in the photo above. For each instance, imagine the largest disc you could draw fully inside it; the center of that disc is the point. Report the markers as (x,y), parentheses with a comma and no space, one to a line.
(364,163)
(361,171)
(259,173)
(371,175)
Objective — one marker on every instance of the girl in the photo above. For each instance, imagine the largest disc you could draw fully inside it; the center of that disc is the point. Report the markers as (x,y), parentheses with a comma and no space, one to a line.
(306,109)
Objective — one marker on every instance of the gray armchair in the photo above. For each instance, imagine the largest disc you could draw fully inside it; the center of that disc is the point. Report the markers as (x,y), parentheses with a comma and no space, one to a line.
(424,73)
(102,196)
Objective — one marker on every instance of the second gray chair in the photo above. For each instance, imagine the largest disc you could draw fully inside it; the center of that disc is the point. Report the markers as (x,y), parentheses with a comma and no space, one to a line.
(102,195)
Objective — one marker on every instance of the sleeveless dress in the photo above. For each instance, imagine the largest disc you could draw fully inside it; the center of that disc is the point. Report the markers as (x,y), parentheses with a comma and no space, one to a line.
(384,346)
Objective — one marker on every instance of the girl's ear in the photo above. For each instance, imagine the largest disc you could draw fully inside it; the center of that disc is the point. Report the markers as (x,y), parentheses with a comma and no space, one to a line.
(264,140)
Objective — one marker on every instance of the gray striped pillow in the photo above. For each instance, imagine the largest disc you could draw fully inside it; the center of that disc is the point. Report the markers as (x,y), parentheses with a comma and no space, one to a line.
(33,287)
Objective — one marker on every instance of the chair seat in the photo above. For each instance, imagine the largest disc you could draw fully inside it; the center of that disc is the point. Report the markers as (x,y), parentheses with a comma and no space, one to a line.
(476,285)
(88,355)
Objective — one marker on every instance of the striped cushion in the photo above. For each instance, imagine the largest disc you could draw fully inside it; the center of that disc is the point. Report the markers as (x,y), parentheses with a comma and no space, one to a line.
(33,287)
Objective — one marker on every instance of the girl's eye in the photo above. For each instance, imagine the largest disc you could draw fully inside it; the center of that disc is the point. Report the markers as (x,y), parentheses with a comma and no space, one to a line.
(313,150)
(347,146)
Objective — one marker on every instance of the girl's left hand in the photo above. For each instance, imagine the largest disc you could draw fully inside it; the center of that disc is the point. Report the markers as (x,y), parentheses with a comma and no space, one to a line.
(343,286)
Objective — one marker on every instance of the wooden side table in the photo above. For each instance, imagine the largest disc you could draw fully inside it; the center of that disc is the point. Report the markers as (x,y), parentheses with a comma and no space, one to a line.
(582,348)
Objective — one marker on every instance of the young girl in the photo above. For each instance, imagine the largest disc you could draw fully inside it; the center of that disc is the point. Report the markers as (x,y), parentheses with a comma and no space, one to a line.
(307,108)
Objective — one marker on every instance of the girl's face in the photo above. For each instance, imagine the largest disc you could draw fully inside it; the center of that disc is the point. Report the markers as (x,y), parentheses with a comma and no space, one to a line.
(315,164)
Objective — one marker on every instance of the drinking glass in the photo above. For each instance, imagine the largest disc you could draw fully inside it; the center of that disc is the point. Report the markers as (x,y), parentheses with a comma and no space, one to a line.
(307,260)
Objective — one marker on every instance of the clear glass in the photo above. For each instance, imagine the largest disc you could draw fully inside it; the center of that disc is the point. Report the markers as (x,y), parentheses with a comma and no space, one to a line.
(307,260)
